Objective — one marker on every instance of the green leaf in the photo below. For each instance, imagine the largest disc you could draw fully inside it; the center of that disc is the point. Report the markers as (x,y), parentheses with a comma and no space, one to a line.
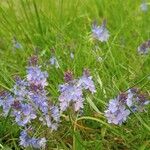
(78,141)
(93,105)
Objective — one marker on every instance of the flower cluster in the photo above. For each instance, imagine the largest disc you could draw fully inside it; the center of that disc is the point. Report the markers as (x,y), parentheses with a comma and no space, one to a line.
(29,104)
(72,90)
(28,101)
(136,100)
(121,107)
(144,48)
(116,112)
(100,32)
(27,141)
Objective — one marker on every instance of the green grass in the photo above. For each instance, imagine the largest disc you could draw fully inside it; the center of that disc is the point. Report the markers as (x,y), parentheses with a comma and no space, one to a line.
(65,25)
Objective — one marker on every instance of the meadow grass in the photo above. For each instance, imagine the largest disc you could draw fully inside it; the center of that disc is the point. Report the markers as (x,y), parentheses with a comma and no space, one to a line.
(65,25)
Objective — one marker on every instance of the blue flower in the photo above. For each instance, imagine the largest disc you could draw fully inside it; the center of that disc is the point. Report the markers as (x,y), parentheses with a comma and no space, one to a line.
(121,107)
(70,92)
(86,82)
(116,112)
(28,101)
(144,6)
(136,100)
(40,100)
(27,141)
(100,32)
(6,101)
(78,105)
(36,77)
(38,143)
(20,89)
(54,62)
(24,115)
(52,118)
(24,139)
(55,113)
(144,48)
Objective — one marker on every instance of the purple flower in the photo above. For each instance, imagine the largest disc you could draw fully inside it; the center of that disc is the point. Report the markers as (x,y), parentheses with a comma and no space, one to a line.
(136,100)
(6,101)
(40,100)
(120,108)
(70,92)
(29,97)
(36,77)
(29,101)
(38,96)
(78,104)
(116,112)
(27,141)
(33,60)
(100,32)
(129,100)
(144,48)
(24,139)
(86,82)
(52,118)
(55,114)
(24,115)
(68,76)
(54,62)
(20,89)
